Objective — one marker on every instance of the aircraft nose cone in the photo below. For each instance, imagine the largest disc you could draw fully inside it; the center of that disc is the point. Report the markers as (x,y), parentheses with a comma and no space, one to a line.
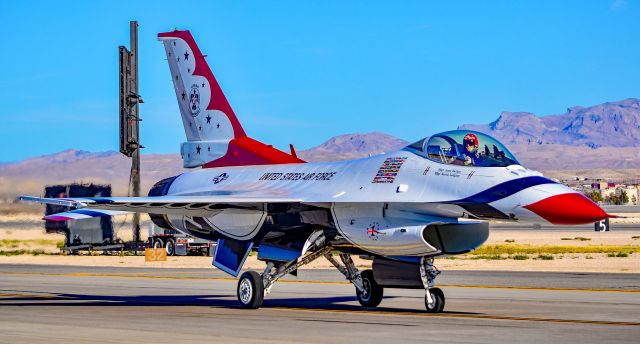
(568,209)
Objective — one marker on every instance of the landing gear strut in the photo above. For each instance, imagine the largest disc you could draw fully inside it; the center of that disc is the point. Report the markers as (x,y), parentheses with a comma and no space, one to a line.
(368,292)
(433,297)
(372,293)
(252,287)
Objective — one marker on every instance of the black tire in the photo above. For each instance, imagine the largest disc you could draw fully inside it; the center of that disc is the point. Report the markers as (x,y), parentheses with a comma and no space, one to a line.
(170,246)
(250,290)
(438,301)
(372,295)
(158,243)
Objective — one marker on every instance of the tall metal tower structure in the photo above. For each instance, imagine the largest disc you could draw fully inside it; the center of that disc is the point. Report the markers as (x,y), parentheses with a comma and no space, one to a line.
(130,115)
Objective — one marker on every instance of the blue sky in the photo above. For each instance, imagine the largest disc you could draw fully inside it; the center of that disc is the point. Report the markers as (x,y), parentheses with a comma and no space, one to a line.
(301,72)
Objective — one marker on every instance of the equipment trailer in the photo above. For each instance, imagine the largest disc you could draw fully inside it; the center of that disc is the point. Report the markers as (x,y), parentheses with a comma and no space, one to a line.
(177,243)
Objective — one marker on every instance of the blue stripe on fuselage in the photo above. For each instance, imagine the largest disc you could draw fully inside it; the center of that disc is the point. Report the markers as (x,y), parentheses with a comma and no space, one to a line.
(101,200)
(504,190)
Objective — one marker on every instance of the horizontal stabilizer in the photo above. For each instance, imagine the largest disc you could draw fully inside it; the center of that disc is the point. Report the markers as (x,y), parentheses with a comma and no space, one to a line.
(84,213)
(64,202)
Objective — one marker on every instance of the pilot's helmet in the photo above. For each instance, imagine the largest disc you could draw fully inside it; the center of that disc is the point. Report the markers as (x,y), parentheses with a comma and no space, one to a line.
(470,139)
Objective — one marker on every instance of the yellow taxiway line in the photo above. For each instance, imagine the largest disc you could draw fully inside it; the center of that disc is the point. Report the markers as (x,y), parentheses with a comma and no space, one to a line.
(146,275)
(395,313)
(33,296)
(348,311)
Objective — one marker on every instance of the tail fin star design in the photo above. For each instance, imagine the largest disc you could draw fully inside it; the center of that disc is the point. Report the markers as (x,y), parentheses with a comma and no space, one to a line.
(215,137)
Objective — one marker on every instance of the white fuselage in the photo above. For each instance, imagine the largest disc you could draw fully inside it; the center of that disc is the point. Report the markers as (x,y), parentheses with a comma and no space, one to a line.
(381,203)
(416,180)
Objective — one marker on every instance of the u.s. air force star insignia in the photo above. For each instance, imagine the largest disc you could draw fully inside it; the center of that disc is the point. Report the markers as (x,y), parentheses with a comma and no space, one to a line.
(220,178)
(194,100)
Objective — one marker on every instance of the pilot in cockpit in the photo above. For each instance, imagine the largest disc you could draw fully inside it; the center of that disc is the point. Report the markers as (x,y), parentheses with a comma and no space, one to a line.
(470,149)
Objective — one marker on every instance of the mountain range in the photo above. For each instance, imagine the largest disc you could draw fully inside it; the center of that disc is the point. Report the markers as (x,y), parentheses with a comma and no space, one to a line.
(600,136)
(605,137)
(353,146)
(614,124)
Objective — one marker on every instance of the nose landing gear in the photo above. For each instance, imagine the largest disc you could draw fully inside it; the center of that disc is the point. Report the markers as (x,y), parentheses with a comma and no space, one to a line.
(433,297)
(436,305)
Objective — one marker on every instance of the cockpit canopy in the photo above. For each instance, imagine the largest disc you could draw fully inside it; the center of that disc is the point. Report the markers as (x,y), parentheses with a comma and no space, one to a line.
(465,148)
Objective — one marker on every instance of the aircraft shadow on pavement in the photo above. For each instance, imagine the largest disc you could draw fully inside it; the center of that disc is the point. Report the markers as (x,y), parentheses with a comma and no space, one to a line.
(336,303)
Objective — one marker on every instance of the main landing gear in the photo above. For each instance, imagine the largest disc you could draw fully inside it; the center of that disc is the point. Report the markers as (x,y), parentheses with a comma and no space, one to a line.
(368,292)
(250,290)
(252,287)
(371,293)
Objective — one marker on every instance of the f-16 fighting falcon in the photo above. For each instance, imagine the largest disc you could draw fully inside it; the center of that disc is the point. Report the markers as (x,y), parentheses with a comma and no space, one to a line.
(399,209)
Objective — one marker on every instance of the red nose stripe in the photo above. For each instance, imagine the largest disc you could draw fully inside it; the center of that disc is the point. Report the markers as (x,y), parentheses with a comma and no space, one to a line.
(568,209)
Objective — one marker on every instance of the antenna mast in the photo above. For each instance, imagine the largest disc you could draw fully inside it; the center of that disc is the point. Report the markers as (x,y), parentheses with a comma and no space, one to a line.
(130,115)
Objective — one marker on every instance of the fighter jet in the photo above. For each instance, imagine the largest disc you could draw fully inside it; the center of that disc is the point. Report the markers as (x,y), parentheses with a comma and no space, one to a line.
(400,209)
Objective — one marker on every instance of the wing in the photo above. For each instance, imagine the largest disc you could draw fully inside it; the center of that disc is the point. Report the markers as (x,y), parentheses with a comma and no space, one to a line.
(181,205)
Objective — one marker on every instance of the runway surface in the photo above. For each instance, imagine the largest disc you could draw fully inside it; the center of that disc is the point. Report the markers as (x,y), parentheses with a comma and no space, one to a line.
(56,304)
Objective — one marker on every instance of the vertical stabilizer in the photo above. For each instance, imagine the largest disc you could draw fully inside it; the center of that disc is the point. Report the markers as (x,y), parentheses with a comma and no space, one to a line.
(206,113)
(214,134)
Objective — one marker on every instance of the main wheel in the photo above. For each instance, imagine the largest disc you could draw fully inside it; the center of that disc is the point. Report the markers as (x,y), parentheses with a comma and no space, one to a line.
(157,243)
(371,296)
(437,298)
(170,246)
(250,290)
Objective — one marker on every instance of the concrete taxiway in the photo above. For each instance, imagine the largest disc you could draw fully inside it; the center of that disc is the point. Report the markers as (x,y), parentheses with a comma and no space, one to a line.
(107,305)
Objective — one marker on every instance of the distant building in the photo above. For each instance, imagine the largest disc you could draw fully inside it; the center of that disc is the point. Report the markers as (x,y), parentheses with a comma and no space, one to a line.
(633,193)
(607,188)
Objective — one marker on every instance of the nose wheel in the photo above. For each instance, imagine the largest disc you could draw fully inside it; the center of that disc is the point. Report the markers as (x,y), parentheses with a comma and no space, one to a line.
(433,297)
(434,302)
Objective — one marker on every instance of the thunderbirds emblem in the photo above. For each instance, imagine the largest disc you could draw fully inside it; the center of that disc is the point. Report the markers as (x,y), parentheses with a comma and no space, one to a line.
(194,101)
(373,231)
